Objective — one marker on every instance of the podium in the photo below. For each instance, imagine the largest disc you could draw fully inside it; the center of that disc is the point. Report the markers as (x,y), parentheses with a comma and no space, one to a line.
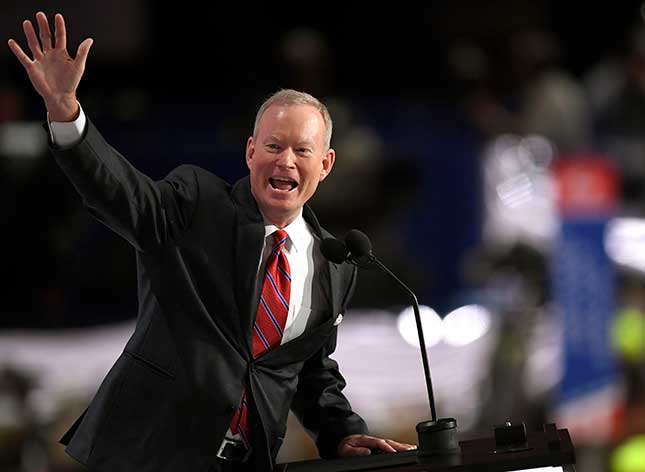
(549,450)
(510,449)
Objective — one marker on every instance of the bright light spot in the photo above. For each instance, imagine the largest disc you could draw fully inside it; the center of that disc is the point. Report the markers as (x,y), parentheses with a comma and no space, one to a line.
(555,468)
(466,325)
(540,149)
(23,140)
(519,192)
(515,191)
(543,370)
(430,323)
(625,242)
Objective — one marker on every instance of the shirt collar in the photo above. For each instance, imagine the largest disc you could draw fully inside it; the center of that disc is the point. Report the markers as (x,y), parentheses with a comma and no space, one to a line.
(297,231)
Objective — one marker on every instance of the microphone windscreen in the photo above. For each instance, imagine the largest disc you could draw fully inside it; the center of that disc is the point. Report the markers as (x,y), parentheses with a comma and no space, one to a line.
(334,250)
(358,243)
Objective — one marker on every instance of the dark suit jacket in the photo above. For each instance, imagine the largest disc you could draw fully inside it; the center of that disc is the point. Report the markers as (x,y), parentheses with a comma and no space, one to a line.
(168,400)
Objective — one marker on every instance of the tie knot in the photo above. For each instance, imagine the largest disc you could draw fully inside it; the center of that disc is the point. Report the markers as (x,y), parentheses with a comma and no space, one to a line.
(279,239)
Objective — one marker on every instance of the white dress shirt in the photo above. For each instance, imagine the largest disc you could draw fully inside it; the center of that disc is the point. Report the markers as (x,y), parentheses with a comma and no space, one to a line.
(67,134)
(299,252)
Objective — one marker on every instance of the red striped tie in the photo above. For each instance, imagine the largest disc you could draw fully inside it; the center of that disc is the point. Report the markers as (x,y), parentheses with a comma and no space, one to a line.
(271,318)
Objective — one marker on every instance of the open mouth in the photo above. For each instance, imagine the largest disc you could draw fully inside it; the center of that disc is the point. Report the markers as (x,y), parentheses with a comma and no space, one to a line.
(285,184)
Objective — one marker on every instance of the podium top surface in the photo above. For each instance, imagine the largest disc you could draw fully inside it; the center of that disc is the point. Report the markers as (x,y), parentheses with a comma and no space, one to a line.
(549,448)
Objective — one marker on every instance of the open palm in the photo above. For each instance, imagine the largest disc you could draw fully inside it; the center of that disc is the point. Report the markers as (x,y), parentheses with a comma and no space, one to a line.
(53,72)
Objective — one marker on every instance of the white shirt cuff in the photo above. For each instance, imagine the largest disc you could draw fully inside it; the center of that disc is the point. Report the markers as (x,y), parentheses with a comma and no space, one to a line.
(68,134)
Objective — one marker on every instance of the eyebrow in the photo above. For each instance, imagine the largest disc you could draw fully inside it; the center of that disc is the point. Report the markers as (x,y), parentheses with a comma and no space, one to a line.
(273,137)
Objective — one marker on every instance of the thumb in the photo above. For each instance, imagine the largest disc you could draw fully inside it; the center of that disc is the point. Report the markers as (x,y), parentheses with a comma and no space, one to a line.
(349,450)
(83,51)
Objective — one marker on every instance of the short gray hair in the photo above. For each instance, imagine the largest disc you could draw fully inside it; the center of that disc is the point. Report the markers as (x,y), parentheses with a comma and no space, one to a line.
(294,97)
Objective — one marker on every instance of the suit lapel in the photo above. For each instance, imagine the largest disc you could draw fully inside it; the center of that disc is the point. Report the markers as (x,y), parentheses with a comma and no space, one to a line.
(249,241)
(334,270)
(334,282)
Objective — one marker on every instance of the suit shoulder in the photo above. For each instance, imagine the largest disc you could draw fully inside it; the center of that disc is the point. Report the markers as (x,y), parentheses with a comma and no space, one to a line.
(204,179)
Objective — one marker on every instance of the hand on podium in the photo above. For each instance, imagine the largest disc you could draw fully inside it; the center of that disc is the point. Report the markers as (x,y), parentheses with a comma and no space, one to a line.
(363,445)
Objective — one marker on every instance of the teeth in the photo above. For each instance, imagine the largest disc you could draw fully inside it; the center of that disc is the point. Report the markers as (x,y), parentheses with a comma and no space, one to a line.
(279,182)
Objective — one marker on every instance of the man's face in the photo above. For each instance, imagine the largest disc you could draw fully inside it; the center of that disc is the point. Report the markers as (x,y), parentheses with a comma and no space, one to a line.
(287,159)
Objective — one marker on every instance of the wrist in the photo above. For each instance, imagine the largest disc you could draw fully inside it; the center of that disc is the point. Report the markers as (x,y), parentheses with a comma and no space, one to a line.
(64,109)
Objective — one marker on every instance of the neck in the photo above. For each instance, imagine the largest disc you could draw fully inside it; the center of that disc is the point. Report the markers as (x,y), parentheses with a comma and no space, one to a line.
(280,220)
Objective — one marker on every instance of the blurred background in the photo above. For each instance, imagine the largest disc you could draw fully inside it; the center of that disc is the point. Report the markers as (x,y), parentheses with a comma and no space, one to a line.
(493,151)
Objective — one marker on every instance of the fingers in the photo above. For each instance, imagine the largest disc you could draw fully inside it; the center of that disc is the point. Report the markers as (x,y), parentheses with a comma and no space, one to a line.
(32,41)
(83,51)
(400,446)
(362,444)
(365,441)
(45,37)
(383,445)
(43,29)
(60,31)
(19,53)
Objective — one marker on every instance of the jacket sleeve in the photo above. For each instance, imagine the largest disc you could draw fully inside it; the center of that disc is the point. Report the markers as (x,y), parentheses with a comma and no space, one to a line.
(320,404)
(147,213)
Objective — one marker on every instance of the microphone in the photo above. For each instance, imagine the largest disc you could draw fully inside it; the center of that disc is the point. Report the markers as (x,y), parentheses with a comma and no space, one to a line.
(437,436)
(334,250)
(359,246)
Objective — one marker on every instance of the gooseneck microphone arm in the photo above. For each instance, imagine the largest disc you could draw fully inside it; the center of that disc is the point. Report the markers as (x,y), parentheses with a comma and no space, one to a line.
(438,436)
(417,316)
(359,249)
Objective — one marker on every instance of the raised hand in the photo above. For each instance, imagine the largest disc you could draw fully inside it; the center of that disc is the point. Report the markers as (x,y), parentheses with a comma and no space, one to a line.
(53,73)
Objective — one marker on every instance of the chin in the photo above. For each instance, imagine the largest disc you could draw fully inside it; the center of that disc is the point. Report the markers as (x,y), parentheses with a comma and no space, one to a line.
(286,201)
(284,209)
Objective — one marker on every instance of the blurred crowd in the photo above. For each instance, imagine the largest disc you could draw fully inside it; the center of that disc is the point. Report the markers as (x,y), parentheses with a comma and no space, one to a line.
(454,184)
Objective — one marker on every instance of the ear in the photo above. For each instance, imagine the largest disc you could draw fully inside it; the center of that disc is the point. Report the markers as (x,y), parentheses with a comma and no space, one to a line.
(250,149)
(327,163)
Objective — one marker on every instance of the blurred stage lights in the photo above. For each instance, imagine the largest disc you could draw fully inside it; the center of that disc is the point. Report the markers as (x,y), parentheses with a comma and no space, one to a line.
(460,327)
(625,242)
(465,325)
(430,322)
(23,140)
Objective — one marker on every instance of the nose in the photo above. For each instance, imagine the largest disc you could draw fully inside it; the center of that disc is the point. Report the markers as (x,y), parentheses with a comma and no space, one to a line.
(286,159)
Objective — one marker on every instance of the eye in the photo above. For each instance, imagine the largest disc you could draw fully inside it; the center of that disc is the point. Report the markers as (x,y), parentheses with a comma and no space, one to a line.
(273,147)
(303,150)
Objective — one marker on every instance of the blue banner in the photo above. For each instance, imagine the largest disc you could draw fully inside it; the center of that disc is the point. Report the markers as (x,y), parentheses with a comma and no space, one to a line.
(584,294)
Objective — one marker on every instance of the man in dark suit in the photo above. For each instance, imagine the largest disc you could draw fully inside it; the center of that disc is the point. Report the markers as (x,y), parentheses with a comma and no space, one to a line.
(201,385)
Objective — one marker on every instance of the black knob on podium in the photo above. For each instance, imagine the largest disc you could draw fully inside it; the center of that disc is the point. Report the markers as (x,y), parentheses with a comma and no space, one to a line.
(438,437)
